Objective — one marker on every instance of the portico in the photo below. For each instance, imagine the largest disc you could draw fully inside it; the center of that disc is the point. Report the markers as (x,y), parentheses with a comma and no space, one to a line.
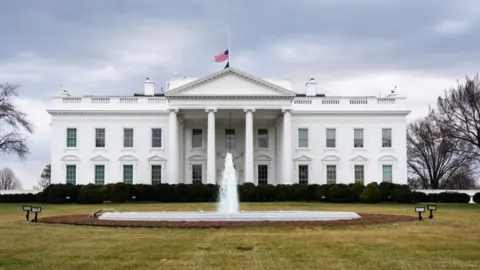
(252,136)
(235,111)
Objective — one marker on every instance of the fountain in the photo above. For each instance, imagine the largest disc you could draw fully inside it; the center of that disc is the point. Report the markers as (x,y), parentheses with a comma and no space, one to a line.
(228,208)
(228,203)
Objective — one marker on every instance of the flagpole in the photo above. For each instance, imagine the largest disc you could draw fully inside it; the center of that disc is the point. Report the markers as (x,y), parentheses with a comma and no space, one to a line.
(229,52)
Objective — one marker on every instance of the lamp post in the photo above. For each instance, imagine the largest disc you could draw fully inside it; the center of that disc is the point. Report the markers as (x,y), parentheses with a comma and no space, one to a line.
(36,210)
(431,207)
(420,210)
(27,208)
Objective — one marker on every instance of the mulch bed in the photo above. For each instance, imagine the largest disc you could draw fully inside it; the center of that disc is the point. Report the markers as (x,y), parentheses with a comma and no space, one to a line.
(366,219)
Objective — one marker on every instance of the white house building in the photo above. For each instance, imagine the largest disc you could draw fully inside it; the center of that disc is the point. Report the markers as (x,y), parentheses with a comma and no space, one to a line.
(182,134)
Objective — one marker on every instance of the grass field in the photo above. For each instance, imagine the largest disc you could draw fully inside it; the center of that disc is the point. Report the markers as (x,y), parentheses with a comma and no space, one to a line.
(450,241)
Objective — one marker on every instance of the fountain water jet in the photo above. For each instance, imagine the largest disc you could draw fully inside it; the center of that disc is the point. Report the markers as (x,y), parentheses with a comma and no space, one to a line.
(228,194)
(228,208)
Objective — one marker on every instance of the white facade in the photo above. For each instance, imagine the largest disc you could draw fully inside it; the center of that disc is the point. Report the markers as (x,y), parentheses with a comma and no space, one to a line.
(276,136)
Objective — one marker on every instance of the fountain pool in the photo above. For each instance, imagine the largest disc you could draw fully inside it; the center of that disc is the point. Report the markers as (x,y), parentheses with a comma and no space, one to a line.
(228,208)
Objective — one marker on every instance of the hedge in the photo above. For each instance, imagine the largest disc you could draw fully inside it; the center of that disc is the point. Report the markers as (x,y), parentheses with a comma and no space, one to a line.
(248,192)
(476,198)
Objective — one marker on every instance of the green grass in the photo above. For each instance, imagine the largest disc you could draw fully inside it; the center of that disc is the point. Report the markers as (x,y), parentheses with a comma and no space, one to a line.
(450,241)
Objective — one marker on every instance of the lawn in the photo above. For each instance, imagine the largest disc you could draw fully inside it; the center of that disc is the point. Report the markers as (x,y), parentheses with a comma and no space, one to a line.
(450,241)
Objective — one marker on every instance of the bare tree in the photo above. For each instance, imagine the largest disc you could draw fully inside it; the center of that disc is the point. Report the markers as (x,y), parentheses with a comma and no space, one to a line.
(12,123)
(433,159)
(459,115)
(414,183)
(44,180)
(8,180)
(462,180)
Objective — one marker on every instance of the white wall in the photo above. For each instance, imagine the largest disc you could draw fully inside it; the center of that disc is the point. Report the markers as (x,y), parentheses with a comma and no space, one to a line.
(85,155)
(345,151)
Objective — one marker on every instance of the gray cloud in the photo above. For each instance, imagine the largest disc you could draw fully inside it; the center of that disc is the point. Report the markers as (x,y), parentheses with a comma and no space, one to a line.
(350,46)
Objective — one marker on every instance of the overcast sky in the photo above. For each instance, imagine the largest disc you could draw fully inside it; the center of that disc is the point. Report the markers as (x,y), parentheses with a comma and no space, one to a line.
(352,47)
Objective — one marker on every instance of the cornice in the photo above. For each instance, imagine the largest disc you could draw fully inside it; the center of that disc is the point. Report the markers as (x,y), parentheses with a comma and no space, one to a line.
(226,97)
(106,112)
(353,112)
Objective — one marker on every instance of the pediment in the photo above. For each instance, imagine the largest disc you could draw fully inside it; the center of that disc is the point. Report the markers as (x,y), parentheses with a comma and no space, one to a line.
(388,158)
(196,158)
(359,158)
(127,158)
(331,158)
(303,158)
(70,158)
(156,158)
(230,82)
(99,158)
(263,158)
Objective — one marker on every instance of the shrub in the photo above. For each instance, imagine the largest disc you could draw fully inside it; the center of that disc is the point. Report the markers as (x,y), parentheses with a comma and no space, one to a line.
(453,197)
(121,192)
(117,193)
(357,189)
(59,193)
(265,193)
(371,194)
(90,194)
(403,195)
(476,198)
(386,190)
(19,198)
(432,197)
(340,193)
(420,197)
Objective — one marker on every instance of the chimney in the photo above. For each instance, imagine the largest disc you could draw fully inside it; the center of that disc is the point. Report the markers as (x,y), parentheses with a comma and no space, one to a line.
(311,88)
(149,87)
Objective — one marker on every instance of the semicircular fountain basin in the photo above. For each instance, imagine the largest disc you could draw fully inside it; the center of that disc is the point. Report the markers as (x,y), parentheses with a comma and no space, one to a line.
(240,216)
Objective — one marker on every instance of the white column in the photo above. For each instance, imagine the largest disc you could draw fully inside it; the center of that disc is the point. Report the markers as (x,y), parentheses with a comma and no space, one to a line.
(287,158)
(249,177)
(181,156)
(211,153)
(173,147)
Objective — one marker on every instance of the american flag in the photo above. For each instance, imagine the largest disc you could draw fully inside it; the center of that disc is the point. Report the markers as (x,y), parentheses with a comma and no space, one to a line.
(221,57)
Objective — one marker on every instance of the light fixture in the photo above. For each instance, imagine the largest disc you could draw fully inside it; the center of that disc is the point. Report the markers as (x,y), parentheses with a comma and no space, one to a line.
(27,208)
(431,207)
(420,210)
(36,210)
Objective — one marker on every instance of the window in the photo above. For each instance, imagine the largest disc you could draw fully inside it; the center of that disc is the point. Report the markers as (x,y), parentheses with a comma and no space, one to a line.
(72,174)
(331,142)
(71,137)
(197,138)
(197,176)
(128,137)
(331,174)
(156,174)
(156,137)
(386,137)
(100,137)
(359,174)
(262,174)
(99,174)
(262,138)
(302,138)
(128,174)
(229,138)
(387,173)
(358,138)
(303,174)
